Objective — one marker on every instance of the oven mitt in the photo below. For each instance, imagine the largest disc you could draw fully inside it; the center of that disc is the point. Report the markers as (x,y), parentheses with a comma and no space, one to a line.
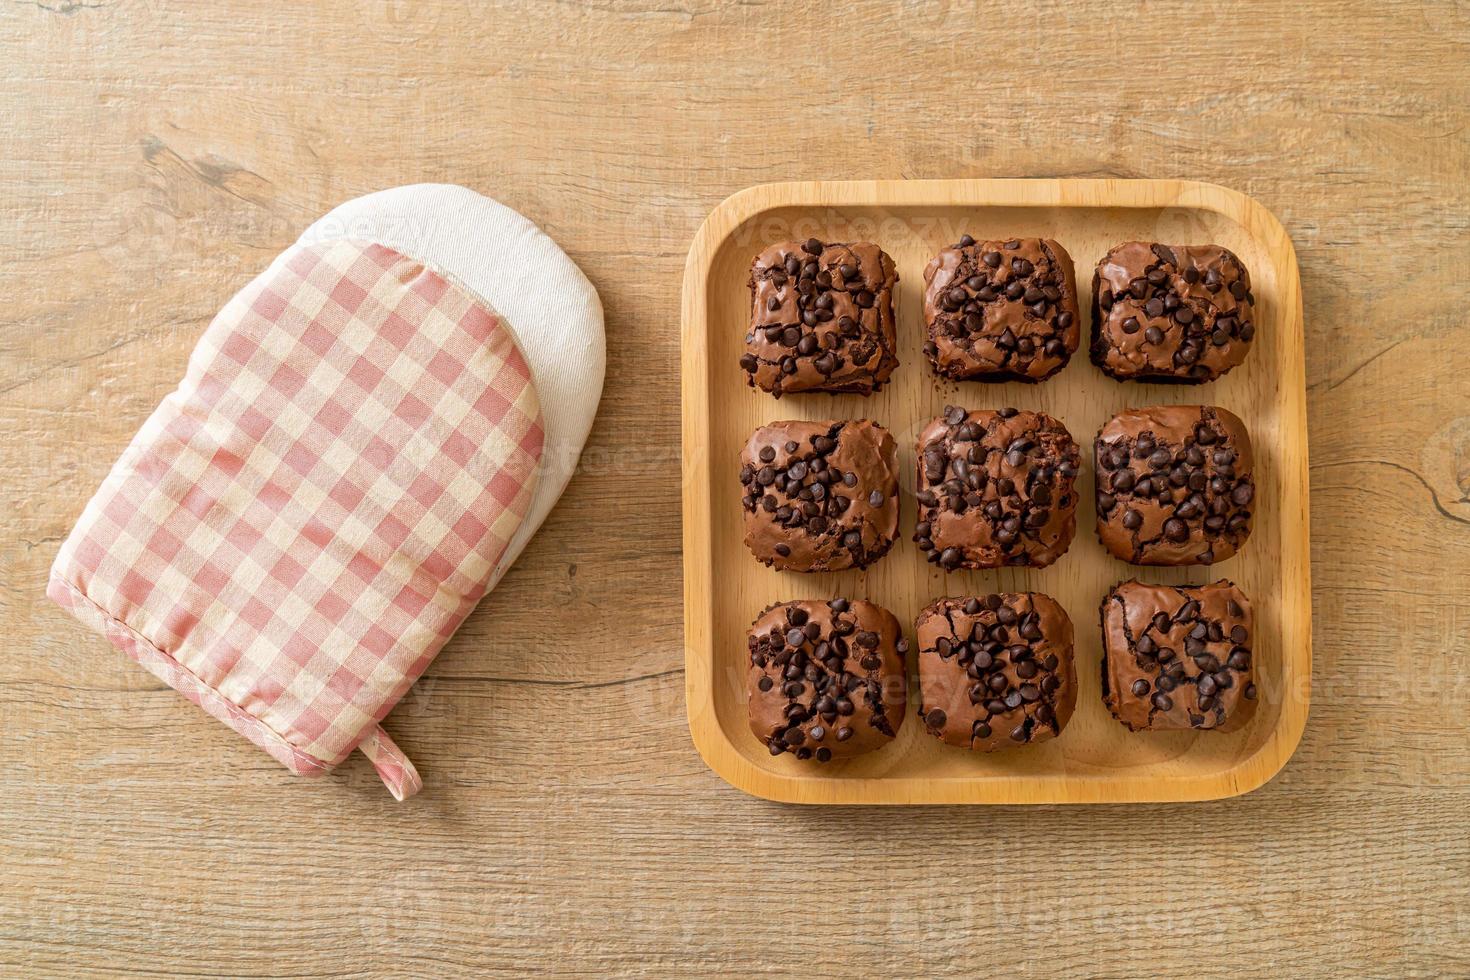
(365,438)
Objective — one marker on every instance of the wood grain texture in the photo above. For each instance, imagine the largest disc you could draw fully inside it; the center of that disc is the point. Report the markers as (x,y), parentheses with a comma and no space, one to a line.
(156,155)
(1095,760)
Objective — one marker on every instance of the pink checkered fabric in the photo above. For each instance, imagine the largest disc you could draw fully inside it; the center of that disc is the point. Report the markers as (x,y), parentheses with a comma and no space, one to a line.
(297,529)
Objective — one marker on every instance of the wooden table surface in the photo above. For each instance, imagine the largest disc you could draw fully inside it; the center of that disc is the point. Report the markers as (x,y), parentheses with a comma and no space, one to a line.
(156,155)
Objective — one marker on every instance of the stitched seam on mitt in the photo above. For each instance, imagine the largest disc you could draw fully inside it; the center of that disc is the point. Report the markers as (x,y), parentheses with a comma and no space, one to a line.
(234,709)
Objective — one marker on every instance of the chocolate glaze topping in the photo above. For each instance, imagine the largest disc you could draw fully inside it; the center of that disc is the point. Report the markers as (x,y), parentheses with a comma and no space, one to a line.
(995,488)
(1178,657)
(826,679)
(1001,310)
(996,671)
(822,318)
(1170,313)
(820,496)
(1175,485)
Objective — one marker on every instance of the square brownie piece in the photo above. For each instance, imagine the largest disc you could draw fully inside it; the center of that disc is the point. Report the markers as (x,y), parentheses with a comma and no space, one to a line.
(1178,657)
(1170,313)
(1174,485)
(995,489)
(826,679)
(820,496)
(821,319)
(1001,310)
(996,671)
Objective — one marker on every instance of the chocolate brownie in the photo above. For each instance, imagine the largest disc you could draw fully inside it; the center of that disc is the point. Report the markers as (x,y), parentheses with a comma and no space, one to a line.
(821,319)
(820,496)
(1178,657)
(1174,485)
(995,489)
(1001,310)
(1170,313)
(826,679)
(996,671)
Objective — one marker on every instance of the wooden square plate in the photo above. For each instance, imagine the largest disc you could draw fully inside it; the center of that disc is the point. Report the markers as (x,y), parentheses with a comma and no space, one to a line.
(1096,760)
